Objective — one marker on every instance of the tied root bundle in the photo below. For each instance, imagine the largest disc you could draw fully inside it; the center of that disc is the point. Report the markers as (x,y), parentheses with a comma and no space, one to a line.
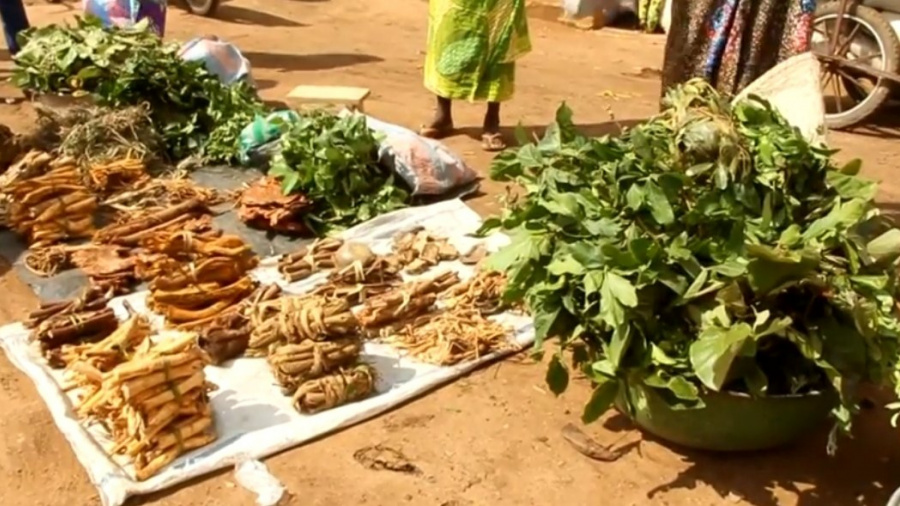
(293,319)
(48,201)
(82,319)
(198,277)
(406,301)
(155,404)
(308,260)
(313,347)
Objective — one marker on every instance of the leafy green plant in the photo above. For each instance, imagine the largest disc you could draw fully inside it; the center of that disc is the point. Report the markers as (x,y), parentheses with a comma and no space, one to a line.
(193,110)
(333,160)
(709,249)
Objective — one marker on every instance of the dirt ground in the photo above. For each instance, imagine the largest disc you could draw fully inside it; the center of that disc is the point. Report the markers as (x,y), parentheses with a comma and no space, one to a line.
(494,437)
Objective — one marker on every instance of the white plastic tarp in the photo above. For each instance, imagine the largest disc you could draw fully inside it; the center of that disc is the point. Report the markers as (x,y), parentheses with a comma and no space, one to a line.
(252,418)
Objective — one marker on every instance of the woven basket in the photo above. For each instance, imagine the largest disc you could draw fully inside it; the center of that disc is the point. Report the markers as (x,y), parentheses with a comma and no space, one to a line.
(794,88)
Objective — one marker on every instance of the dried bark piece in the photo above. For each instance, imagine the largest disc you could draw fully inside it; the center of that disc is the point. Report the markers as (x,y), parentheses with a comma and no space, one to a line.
(383,458)
(418,250)
(263,205)
(587,446)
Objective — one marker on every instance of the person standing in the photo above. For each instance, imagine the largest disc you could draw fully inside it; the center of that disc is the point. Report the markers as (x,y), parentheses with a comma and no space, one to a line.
(126,13)
(731,43)
(473,46)
(12,13)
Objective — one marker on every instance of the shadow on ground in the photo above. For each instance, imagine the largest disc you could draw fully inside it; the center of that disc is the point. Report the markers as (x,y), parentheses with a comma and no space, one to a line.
(240,15)
(863,471)
(884,124)
(307,62)
(534,132)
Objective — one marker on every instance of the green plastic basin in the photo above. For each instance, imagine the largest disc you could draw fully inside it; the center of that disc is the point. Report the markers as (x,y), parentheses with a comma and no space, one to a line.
(728,422)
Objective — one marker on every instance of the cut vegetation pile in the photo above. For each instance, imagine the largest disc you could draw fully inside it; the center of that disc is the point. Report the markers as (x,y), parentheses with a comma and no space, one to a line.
(710,249)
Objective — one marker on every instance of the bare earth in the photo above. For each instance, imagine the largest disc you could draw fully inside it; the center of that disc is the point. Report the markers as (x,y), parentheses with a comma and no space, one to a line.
(492,438)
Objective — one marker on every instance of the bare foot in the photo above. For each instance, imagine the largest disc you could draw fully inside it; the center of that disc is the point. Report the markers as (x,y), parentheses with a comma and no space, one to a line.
(437,130)
(492,141)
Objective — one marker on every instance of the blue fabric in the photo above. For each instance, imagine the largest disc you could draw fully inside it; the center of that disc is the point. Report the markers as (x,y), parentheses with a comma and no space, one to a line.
(12,13)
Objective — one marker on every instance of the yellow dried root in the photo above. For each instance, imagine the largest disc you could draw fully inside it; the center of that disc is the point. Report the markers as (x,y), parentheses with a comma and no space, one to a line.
(154,402)
(450,337)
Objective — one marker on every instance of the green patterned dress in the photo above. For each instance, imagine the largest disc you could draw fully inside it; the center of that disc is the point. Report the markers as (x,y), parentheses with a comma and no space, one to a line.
(473,46)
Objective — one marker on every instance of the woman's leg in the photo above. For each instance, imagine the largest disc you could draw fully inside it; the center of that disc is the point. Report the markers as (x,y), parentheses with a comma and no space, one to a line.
(12,13)
(491,138)
(442,124)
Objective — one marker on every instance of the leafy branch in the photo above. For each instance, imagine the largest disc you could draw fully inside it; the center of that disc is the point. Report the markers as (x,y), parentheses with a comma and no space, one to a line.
(710,249)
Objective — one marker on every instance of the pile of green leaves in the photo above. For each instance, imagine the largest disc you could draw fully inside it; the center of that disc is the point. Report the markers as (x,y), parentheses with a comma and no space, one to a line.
(333,160)
(191,108)
(711,248)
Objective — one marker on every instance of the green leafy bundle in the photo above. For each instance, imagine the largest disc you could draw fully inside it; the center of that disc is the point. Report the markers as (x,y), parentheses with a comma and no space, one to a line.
(709,249)
(191,108)
(333,160)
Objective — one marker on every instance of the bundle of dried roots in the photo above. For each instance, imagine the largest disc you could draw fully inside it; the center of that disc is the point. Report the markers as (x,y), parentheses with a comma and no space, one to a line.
(83,319)
(417,250)
(227,335)
(101,134)
(195,278)
(263,205)
(155,405)
(294,364)
(117,175)
(293,319)
(482,292)
(308,260)
(406,301)
(340,387)
(139,228)
(52,206)
(93,359)
(450,337)
(160,193)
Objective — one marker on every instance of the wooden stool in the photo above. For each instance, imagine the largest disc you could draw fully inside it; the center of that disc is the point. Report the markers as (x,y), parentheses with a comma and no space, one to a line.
(348,96)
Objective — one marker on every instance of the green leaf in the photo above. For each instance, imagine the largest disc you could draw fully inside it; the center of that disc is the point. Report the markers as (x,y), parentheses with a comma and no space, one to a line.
(696,287)
(851,186)
(621,289)
(659,204)
(852,167)
(618,345)
(885,246)
(557,375)
(602,399)
(713,354)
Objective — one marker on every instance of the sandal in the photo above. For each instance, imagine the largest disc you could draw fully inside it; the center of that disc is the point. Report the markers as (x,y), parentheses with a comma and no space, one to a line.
(492,142)
(435,132)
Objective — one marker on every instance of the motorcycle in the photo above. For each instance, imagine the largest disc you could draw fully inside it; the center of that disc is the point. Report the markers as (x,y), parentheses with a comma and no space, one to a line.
(858,44)
(205,8)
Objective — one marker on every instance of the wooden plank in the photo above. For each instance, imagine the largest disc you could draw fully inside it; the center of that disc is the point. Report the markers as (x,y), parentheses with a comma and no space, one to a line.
(329,94)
